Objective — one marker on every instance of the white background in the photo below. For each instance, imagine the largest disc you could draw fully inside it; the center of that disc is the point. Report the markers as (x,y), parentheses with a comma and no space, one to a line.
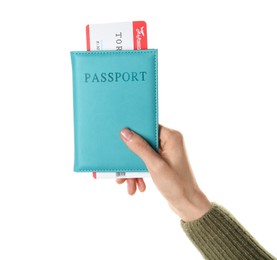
(217,85)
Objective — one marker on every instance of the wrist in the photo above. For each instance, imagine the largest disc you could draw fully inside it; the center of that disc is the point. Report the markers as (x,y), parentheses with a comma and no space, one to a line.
(195,208)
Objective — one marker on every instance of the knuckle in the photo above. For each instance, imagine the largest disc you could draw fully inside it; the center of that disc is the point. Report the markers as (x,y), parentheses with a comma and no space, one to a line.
(144,147)
(141,146)
(177,136)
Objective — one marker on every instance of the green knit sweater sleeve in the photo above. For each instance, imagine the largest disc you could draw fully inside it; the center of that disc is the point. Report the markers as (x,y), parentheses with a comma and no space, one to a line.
(219,236)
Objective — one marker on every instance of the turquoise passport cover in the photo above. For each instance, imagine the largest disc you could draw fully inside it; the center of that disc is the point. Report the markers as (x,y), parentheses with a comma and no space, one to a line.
(113,90)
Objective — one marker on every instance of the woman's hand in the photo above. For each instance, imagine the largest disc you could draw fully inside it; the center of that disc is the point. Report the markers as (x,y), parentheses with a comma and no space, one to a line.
(170,171)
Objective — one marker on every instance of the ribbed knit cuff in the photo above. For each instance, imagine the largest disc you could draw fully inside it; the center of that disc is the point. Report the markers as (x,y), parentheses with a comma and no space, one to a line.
(218,235)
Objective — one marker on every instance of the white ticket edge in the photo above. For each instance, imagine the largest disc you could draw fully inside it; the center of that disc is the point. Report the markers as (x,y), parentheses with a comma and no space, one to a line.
(120,175)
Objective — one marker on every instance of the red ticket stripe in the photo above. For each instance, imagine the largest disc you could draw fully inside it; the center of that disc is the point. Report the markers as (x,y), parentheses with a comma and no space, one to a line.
(88,37)
(140,35)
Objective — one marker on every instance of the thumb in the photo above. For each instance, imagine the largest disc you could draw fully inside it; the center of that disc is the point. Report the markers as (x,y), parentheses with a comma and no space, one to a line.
(140,147)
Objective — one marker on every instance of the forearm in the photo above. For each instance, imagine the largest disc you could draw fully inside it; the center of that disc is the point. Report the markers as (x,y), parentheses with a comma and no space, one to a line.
(218,235)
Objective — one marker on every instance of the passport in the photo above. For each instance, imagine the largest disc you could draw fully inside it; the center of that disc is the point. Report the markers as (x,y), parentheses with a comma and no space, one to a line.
(118,36)
(113,90)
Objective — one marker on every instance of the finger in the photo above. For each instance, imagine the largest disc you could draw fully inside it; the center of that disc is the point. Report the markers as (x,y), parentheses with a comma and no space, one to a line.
(141,184)
(120,180)
(170,138)
(131,186)
(140,147)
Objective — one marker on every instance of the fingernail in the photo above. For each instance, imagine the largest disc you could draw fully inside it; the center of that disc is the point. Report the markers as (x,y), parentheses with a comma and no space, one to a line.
(126,134)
